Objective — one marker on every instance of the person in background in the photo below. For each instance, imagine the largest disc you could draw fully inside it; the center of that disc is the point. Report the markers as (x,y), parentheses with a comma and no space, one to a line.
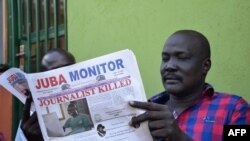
(3,68)
(54,58)
(189,108)
(101,130)
(79,122)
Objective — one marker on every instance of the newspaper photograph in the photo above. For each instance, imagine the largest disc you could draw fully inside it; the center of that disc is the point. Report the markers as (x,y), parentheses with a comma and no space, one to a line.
(87,101)
(15,81)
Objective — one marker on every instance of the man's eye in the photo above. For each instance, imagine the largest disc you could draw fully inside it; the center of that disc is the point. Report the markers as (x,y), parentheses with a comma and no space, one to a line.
(183,57)
(164,59)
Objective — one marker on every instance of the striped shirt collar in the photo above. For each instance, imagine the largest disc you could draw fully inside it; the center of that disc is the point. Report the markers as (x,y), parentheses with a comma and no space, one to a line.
(163,97)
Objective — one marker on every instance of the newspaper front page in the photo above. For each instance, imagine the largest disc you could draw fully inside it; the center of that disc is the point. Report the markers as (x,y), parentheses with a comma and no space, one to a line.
(15,81)
(88,101)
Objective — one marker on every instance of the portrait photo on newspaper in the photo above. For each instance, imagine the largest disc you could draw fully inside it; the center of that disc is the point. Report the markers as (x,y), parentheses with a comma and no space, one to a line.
(19,83)
(68,118)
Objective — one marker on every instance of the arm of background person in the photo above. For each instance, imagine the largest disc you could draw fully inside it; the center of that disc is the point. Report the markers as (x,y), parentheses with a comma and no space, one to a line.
(29,124)
(20,135)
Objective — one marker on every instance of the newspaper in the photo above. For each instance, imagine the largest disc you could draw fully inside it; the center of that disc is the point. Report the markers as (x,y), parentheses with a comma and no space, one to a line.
(15,81)
(87,101)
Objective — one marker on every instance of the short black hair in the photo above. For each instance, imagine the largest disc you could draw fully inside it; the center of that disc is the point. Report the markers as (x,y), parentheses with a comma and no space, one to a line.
(65,53)
(200,37)
(4,67)
(100,126)
(64,56)
(72,105)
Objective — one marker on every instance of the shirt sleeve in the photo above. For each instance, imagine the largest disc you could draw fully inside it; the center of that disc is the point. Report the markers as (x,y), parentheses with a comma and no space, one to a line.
(20,135)
(67,123)
(241,114)
(88,121)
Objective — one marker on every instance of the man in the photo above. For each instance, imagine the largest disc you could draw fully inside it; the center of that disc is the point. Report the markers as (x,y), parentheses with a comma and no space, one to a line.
(21,85)
(79,122)
(3,68)
(189,108)
(53,59)
(101,130)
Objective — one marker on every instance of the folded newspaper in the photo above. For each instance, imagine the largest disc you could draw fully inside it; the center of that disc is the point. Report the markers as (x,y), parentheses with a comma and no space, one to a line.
(87,101)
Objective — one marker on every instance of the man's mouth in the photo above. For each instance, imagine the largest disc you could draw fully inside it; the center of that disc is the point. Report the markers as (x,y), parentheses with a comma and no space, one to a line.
(170,79)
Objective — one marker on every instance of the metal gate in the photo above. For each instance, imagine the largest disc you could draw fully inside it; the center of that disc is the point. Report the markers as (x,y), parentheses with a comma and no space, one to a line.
(34,26)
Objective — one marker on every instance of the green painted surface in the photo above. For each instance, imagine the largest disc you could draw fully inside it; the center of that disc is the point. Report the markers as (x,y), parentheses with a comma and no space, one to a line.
(97,27)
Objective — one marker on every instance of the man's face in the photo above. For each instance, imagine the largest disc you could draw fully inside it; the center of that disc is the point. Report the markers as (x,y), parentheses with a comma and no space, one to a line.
(100,129)
(72,111)
(181,67)
(21,86)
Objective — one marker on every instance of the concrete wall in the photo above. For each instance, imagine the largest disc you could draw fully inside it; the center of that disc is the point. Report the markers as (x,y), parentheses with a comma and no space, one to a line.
(97,27)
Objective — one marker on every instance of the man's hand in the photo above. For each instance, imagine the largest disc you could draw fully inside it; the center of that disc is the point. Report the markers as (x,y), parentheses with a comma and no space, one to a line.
(161,122)
(29,124)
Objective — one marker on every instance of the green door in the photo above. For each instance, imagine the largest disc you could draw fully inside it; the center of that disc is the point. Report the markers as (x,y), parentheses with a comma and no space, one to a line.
(34,27)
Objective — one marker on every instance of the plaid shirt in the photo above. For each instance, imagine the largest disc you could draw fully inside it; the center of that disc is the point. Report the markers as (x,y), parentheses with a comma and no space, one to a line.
(204,120)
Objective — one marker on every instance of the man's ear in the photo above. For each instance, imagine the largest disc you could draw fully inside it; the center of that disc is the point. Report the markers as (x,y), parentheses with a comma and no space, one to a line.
(206,66)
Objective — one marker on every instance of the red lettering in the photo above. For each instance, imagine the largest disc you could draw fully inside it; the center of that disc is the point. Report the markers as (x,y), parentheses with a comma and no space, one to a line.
(46,83)
(59,99)
(53,81)
(72,96)
(46,102)
(50,82)
(42,83)
(125,82)
(101,89)
(41,103)
(86,92)
(79,94)
(89,92)
(61,79)
(66,97)
(12,78)
(38,86)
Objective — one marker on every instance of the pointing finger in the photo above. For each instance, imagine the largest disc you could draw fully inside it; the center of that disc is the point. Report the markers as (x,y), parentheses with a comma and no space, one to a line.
(135,121)
(148,105)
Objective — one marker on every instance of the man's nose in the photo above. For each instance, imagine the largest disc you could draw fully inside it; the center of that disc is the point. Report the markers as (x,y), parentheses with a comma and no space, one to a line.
(170,65)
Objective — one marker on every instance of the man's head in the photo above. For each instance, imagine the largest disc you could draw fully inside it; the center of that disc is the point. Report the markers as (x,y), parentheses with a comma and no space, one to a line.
(100,128)
(72,110)
(185,62)
(22,86)
(56,58)
(3,68)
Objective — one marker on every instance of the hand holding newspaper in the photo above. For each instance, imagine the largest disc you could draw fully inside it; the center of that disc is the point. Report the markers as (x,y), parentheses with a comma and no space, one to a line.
(87,101)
